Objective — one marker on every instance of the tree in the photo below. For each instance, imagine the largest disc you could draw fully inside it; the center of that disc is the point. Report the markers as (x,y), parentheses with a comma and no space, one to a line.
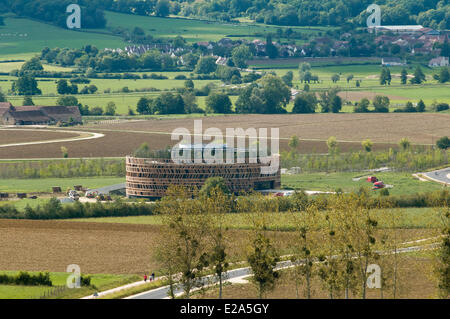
(420,106)
(143,106)
(65,152)
(217,204)
(419,76)
(381,104)
(404,76)
(443,143)
(305,222)
(287,78)
(293,142)
(444,75)
(362,106)
(349,78)
(67,101)
(330,101)
(218,103)
(404,143)
(26,85)
(27,101)
(206,65)
(305,103)
(367,145)
(214,183)
(332,144)
(385,77)
(162,8)
(189,85)
(34,64)
(271,49)
(269,95)
(2,96)
(110,109)
(186,230)
(335,78)
(168,103)
(240,55)
(62,87)
(443,257)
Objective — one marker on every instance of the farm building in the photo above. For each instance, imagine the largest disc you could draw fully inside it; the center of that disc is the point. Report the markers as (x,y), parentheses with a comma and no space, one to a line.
(37,115)
(150,177)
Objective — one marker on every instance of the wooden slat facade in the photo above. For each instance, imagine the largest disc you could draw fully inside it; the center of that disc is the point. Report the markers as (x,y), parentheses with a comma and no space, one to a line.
(150,178)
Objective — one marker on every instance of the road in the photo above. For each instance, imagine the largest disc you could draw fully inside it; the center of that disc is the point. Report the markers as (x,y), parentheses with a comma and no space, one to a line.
(442,176)
(238,274)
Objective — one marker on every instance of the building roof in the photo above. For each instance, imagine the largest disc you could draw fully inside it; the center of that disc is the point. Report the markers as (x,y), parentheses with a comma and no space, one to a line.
(5,106)
(36,116)
(400,27)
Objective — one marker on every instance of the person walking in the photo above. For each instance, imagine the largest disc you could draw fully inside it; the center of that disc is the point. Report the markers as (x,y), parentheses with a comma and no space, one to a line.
(145,277)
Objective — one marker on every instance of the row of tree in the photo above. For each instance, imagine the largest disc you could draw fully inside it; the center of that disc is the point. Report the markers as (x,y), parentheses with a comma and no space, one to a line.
(334,245)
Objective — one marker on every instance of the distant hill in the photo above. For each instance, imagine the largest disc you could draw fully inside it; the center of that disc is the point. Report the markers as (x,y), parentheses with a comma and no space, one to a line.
(430,13)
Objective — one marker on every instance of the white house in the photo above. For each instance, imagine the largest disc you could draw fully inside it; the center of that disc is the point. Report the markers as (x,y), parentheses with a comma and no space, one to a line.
(438,62)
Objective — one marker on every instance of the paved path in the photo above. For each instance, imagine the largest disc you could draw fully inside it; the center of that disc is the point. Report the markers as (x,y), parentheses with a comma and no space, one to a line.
(441,176)
(90,136)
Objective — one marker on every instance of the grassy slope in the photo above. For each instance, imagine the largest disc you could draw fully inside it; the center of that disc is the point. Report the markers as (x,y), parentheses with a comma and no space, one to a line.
(20,36)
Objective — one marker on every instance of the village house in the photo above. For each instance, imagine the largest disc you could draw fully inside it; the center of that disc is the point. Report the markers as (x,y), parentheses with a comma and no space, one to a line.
(439,62)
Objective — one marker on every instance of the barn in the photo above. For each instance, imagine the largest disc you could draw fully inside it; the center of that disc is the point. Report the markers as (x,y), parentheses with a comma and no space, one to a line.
(39,115)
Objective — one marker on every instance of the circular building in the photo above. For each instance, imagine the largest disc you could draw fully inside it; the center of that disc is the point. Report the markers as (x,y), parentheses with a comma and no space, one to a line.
(150,177)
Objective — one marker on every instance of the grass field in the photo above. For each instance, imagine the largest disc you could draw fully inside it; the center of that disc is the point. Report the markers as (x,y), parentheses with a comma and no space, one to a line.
(45,184)
(100,281)
(410,218)
(404,183)
(23,36)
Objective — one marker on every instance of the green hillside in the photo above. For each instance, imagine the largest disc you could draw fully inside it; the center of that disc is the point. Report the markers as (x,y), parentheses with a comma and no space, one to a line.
(21,36)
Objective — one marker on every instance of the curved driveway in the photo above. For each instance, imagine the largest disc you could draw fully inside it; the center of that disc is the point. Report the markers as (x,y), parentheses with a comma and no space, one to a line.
(442,175)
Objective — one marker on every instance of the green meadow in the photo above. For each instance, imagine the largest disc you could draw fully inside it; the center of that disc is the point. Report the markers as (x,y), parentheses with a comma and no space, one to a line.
(100,281)
(403,183)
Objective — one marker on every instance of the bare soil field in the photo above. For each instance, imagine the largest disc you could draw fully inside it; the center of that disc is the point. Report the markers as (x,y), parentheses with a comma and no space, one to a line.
(105,247)
(10,136)
(121,139)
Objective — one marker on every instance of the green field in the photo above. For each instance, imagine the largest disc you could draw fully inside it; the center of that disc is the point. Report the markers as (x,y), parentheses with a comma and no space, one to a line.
(22,36)
(403,183)
(100,281)
(45,184)
(411,218)
(195,30)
